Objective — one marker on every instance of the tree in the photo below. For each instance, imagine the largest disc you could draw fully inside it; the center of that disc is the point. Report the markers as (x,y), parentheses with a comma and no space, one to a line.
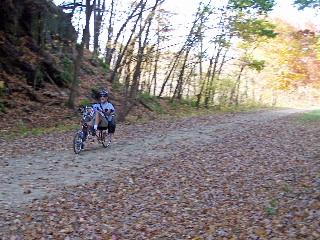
(180,62)
(302,4)
(136,13)
(285,57)
(98,10)
(261,6)
(240,21)
(221,45)
(109,48)
(85,38)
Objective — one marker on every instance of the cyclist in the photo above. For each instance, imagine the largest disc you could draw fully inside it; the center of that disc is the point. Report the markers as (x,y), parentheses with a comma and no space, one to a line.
(102,112)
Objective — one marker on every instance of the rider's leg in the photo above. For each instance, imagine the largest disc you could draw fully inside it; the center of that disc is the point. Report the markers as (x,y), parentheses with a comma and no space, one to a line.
(97,120)
(93,122)
(103,122)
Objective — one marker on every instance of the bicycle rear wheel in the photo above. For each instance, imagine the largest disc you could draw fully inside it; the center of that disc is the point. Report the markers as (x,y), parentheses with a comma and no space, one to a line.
(78,142)
(107,138)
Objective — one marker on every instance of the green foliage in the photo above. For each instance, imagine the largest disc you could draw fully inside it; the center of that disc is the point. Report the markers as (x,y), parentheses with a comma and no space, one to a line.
(3,89)
(151,102)
(66,62)
(287,187)
(147,96)
(88,69)
(3,108)
(250,29)
(67,76)
(257,65)
(183,104)
(22,126)
(117,86)
(103,64)
(193,103)
(40,130)
(85,103)
(260,6)
(159,109)
(222,42)
(174,105)
(272,209)
(67,73)
(302,4)
(14,40)
(95,91)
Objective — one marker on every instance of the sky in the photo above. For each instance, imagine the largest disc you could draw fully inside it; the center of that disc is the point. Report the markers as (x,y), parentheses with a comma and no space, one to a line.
(283,10)
(291,14)
(186,9)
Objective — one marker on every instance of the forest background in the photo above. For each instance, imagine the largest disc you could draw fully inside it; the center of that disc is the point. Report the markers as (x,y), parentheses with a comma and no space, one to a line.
(228,54)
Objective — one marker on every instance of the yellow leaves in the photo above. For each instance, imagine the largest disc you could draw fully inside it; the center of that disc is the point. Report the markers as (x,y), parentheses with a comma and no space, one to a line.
(261,233)
(67,230)
(288,63)
(197,238)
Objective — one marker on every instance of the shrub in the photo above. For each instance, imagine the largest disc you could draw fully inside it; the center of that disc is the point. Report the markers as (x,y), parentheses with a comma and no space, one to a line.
(85,103)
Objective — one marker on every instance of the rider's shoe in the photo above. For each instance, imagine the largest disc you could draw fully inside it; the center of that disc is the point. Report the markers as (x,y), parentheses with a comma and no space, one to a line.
(82,146)
(93,132)
(84,136)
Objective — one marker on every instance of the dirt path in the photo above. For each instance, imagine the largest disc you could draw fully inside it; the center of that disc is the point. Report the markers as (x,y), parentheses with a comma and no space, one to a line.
(37,174)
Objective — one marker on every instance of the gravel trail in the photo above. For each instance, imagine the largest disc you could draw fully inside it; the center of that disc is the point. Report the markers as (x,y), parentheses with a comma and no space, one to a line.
(26,175)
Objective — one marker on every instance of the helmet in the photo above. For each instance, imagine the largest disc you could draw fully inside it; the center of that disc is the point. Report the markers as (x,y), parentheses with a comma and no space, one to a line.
(103,92)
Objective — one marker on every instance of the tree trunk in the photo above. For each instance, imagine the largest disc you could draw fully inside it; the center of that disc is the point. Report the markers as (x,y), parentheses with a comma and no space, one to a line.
(173,64)
(234,96)
(178,90)
(75,85)
(109,48)
(99,10)
(141,49)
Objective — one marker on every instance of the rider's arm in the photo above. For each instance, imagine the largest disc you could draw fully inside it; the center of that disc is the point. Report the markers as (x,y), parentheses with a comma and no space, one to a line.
(109,109)
(106,111)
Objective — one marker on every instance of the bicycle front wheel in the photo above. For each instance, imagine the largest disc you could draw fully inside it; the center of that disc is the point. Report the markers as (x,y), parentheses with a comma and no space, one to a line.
(78,142)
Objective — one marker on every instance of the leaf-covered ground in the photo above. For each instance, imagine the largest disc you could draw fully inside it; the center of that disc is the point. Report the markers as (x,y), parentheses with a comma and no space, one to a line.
(227,176)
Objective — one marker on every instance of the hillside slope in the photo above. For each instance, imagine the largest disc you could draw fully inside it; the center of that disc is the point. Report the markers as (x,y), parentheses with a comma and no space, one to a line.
(37,56)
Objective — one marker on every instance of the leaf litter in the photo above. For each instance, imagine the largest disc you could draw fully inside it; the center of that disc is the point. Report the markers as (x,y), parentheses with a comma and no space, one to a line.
(249,180)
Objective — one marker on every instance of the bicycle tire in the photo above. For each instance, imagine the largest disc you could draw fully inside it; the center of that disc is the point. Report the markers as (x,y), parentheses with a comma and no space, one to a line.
(78,142)
(107,138)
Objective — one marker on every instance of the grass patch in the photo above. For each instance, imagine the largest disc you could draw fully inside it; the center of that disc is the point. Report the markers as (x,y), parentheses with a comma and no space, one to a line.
(150,102)
(2,107)
(117,86)
(310,117)
(184,108)
(23,131)
(273,208)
